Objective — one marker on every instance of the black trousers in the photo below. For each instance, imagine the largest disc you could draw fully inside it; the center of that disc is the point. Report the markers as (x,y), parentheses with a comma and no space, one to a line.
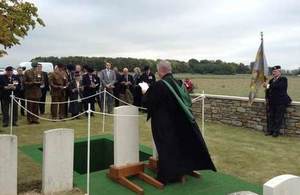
(21,94)
(6,103)
(275,118)
(86,103)
(43,99)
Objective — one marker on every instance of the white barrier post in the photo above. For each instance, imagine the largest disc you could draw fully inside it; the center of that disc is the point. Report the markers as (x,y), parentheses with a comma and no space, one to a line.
(11,111)
(8,164)
(104,105)
(58,157)
(203,97)
(88,150)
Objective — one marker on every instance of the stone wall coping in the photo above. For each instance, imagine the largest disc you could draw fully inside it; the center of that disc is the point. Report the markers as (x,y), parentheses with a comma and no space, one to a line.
(234,98)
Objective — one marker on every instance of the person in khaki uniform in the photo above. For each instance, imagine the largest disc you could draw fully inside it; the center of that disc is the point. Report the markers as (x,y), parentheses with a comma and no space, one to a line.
(58,83)
(32,81)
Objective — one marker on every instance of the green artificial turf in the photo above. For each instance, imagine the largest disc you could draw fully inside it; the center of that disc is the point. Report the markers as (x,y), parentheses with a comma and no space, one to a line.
(210,183)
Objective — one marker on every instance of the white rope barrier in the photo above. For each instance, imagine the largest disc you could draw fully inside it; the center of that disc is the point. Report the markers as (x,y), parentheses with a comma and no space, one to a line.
(124,101)
(64,102)
(122,115)
(202,96)
(47,119)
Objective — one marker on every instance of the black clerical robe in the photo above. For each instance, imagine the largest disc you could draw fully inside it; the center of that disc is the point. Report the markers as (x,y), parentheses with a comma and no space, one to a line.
(180,145)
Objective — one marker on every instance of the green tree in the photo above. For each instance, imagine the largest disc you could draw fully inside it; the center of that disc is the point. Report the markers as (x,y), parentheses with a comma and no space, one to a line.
(17,17)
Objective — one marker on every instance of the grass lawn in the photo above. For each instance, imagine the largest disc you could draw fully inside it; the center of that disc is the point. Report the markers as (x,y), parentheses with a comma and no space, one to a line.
(243,153)
(236,85)
(240,152)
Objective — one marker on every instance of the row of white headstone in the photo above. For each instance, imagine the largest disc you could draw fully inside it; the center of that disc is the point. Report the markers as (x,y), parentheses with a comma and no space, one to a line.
(58,152)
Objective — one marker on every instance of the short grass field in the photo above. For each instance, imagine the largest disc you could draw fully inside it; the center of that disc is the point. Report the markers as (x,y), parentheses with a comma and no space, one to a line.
(243,153)
(235,85)
(240,152)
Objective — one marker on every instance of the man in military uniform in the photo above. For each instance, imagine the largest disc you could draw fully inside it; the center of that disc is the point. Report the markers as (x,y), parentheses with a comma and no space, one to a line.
(277,100)
(9,83)
(58,82)
(32,82)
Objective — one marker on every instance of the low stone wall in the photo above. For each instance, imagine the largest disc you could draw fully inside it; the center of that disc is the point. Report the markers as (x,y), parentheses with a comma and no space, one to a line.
(236,111)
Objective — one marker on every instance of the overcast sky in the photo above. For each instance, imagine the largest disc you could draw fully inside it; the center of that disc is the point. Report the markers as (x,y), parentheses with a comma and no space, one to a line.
(177,29)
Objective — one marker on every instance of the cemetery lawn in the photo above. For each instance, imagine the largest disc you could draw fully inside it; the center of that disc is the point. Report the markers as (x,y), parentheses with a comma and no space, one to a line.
(239,152)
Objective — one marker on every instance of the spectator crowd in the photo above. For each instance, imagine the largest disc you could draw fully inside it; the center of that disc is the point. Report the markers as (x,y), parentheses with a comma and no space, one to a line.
(71,87)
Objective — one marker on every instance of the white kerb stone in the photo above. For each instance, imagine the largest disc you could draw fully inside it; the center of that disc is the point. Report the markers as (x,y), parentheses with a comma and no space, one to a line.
(8,164)
(126,135)
(58,153)
(283,185)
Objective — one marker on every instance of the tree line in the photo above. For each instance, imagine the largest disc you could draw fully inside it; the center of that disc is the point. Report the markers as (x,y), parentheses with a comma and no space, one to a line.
(192,66)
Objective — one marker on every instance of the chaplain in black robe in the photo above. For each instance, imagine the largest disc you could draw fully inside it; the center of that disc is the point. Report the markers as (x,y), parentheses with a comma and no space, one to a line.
(180,145)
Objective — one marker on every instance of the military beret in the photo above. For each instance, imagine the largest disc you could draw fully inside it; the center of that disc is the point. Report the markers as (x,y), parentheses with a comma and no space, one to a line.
(90,69)
(276,67)
(60,65)
(9,68)
(146,68)
(34,64)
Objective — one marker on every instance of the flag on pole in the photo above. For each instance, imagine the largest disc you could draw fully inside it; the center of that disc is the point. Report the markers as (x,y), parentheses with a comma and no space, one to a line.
(259,71)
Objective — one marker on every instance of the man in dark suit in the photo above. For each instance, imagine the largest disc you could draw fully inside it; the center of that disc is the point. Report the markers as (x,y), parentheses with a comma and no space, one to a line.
(126,88)
(117,89)
(44,88)
(277,100)
(108,79)
(9,82)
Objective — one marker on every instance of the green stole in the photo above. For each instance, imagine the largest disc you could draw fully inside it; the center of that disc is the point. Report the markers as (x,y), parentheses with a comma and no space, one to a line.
(181,95)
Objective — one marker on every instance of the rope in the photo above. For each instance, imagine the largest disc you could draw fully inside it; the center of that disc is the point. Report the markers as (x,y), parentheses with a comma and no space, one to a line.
(64,102)
(201,97)
(124,101)
(47,119)
(122,115)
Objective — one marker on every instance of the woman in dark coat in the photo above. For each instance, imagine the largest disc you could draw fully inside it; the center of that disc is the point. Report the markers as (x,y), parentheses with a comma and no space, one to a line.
(75,93)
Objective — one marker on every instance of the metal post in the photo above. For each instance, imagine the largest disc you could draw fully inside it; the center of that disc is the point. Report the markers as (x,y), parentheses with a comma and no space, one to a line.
(11,111)
(203,97)
(88,150)
(104,107)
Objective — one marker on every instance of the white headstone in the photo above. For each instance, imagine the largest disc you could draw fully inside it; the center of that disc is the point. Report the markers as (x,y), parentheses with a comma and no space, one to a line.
(8,164)
(58,152)
(126,135)
(283,185)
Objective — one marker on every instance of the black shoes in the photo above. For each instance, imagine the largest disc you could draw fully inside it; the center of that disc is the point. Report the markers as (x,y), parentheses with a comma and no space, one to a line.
(271,133)
(5,125)
(268,133)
